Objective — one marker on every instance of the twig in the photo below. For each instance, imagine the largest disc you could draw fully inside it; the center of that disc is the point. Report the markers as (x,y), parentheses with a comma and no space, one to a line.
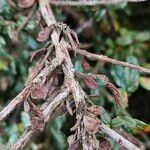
(117,137)
(25,93)
(47,112)
(90,3)
(112,61)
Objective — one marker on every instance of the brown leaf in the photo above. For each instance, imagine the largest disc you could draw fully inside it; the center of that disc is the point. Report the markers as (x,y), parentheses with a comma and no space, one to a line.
(31,72)
(25,3)
(115,92)
(36,117)
(96,110)
(40,91)
(61,35)
(69,109)
(73,43)
(90,82)
(44,34)
(93,141)
(91,124)
(74,143)
(85,64)
(74,36)
(104,145)
(38,52)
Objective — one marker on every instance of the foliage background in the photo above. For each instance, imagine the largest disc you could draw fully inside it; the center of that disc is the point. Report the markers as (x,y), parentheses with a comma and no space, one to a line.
(121,32)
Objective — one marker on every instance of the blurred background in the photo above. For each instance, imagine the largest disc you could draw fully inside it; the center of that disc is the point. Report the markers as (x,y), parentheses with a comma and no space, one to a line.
(121,32)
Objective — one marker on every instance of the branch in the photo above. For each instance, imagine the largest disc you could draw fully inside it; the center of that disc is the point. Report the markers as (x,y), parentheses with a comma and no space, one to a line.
(26,91)
(112,61)
(68,70)
(90,3)
(117,137)
(47,112)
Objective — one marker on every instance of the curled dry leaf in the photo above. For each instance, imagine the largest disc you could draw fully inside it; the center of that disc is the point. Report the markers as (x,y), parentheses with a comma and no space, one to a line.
(37,53)
(69,109)
(74,143)
(104,145)
(90,82)
(36,117)
(26,106)
(85,64)
(91,124)
(96,110)
(44,34)
(93,141)
(115,92)
(74,36)
(40,91)
(25,3)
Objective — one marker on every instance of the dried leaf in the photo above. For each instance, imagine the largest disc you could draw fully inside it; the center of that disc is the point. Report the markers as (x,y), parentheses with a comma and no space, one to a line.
(61,35)
(73,43)
(25,3)
(38,52)
(69,109)
(44,34)
(40,91)
(93,141)
(115,92)
(85,64)
(75,145)
(36,117)
(90,82)
(74,36)
(26,106)
(104,145)
(91,124)
(96,110)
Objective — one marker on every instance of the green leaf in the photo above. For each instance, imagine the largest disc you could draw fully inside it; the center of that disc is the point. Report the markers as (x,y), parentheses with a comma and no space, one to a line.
(140,124)
(145,82)
(2,41)
(58,135)
(124,41)
(130,123)
(105,118)
(118,121)
(143,36)
(25,119)
(126,78)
